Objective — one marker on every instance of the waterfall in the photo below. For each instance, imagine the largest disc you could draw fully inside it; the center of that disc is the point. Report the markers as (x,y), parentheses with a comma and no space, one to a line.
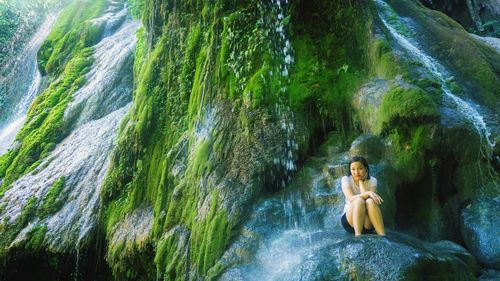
(283,242)
(466,109)
(21,84)
(283,52)
(82,158)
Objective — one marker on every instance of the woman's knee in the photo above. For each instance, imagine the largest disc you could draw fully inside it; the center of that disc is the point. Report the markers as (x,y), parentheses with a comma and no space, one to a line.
(370,202)
(358,202)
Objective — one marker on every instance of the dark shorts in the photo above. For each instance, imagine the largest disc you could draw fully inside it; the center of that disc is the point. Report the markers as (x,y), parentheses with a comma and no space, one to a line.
(350,229)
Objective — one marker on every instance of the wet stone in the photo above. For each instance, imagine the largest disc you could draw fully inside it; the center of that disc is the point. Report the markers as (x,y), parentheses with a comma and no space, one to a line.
(480,225)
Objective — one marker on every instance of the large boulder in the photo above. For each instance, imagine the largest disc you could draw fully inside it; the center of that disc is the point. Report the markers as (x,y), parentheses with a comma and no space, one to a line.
(323,255)
(480,225)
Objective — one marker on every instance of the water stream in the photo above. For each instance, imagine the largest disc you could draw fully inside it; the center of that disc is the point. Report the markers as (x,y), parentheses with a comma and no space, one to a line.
(21,85)
(283,52)
(82,158)
(467,110)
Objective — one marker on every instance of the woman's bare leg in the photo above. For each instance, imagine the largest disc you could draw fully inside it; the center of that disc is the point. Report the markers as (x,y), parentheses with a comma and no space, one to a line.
(375,216)
(356,215)
(368,223)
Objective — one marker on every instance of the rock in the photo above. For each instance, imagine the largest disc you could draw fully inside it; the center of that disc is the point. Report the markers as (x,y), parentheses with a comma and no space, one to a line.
(480,15)
(489,275)
(449,247)
(331,255)
(367,101)
(369,146)
(465,143)
(480,225)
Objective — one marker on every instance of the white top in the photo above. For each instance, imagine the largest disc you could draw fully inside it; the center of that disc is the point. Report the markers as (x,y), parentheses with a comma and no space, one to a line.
(349,181)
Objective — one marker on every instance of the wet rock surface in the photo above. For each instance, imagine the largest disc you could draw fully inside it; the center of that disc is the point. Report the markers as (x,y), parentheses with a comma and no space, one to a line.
(480,225)
(296,235)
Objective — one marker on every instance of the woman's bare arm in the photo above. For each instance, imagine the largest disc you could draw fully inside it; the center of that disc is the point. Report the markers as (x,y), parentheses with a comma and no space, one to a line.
(346,188)
(372,187)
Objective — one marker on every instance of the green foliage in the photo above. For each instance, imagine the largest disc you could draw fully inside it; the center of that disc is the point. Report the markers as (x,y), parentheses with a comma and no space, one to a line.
(9,23)
(405,106)
(244,42)
(18,21)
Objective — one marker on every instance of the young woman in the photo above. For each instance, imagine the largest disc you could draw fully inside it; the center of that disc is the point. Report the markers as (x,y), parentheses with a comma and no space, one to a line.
(361,212)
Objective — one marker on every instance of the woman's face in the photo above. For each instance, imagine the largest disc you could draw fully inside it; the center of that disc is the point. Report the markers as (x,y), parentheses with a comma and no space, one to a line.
(358,171)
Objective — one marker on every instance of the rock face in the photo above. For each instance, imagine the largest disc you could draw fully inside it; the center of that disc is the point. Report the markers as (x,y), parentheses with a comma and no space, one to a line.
(479,15)
(480,227)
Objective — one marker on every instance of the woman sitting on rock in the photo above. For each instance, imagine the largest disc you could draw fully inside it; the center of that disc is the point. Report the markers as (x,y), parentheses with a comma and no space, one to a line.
(361,212)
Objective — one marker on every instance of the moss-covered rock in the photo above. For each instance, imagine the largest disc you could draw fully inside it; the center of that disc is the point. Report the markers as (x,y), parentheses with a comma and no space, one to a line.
(405,106)
(44,126)
(472,63)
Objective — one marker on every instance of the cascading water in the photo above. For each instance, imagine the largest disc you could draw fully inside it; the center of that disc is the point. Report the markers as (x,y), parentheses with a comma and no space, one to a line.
(21,85)
(284,241)
(283,53)
(82,158)
(467,110)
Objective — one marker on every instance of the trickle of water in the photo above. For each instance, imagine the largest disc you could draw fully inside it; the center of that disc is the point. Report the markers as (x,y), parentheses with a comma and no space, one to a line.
(466,110)
(283,52)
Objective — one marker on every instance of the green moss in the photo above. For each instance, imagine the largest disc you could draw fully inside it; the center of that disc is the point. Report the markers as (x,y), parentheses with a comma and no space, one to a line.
(409,150)
(384,64)
(198,91)
(51,202)
(28,211)
(201,159)
(209,238)
(258,88)
(35,237)
(199,55)
(393,19)
(321,90)
(405,106)
(44,124)
(65,54)
(71,33)
(244,46)
(169,258)
(473,64)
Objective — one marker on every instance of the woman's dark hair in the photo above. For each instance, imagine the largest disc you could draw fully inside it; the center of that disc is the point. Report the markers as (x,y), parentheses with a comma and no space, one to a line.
(363,161)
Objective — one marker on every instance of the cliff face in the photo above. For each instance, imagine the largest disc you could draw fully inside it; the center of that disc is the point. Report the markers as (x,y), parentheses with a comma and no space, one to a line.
(243,117)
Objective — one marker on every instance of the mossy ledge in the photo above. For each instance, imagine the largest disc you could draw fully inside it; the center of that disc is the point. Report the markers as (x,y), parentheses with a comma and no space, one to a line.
(66,56)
